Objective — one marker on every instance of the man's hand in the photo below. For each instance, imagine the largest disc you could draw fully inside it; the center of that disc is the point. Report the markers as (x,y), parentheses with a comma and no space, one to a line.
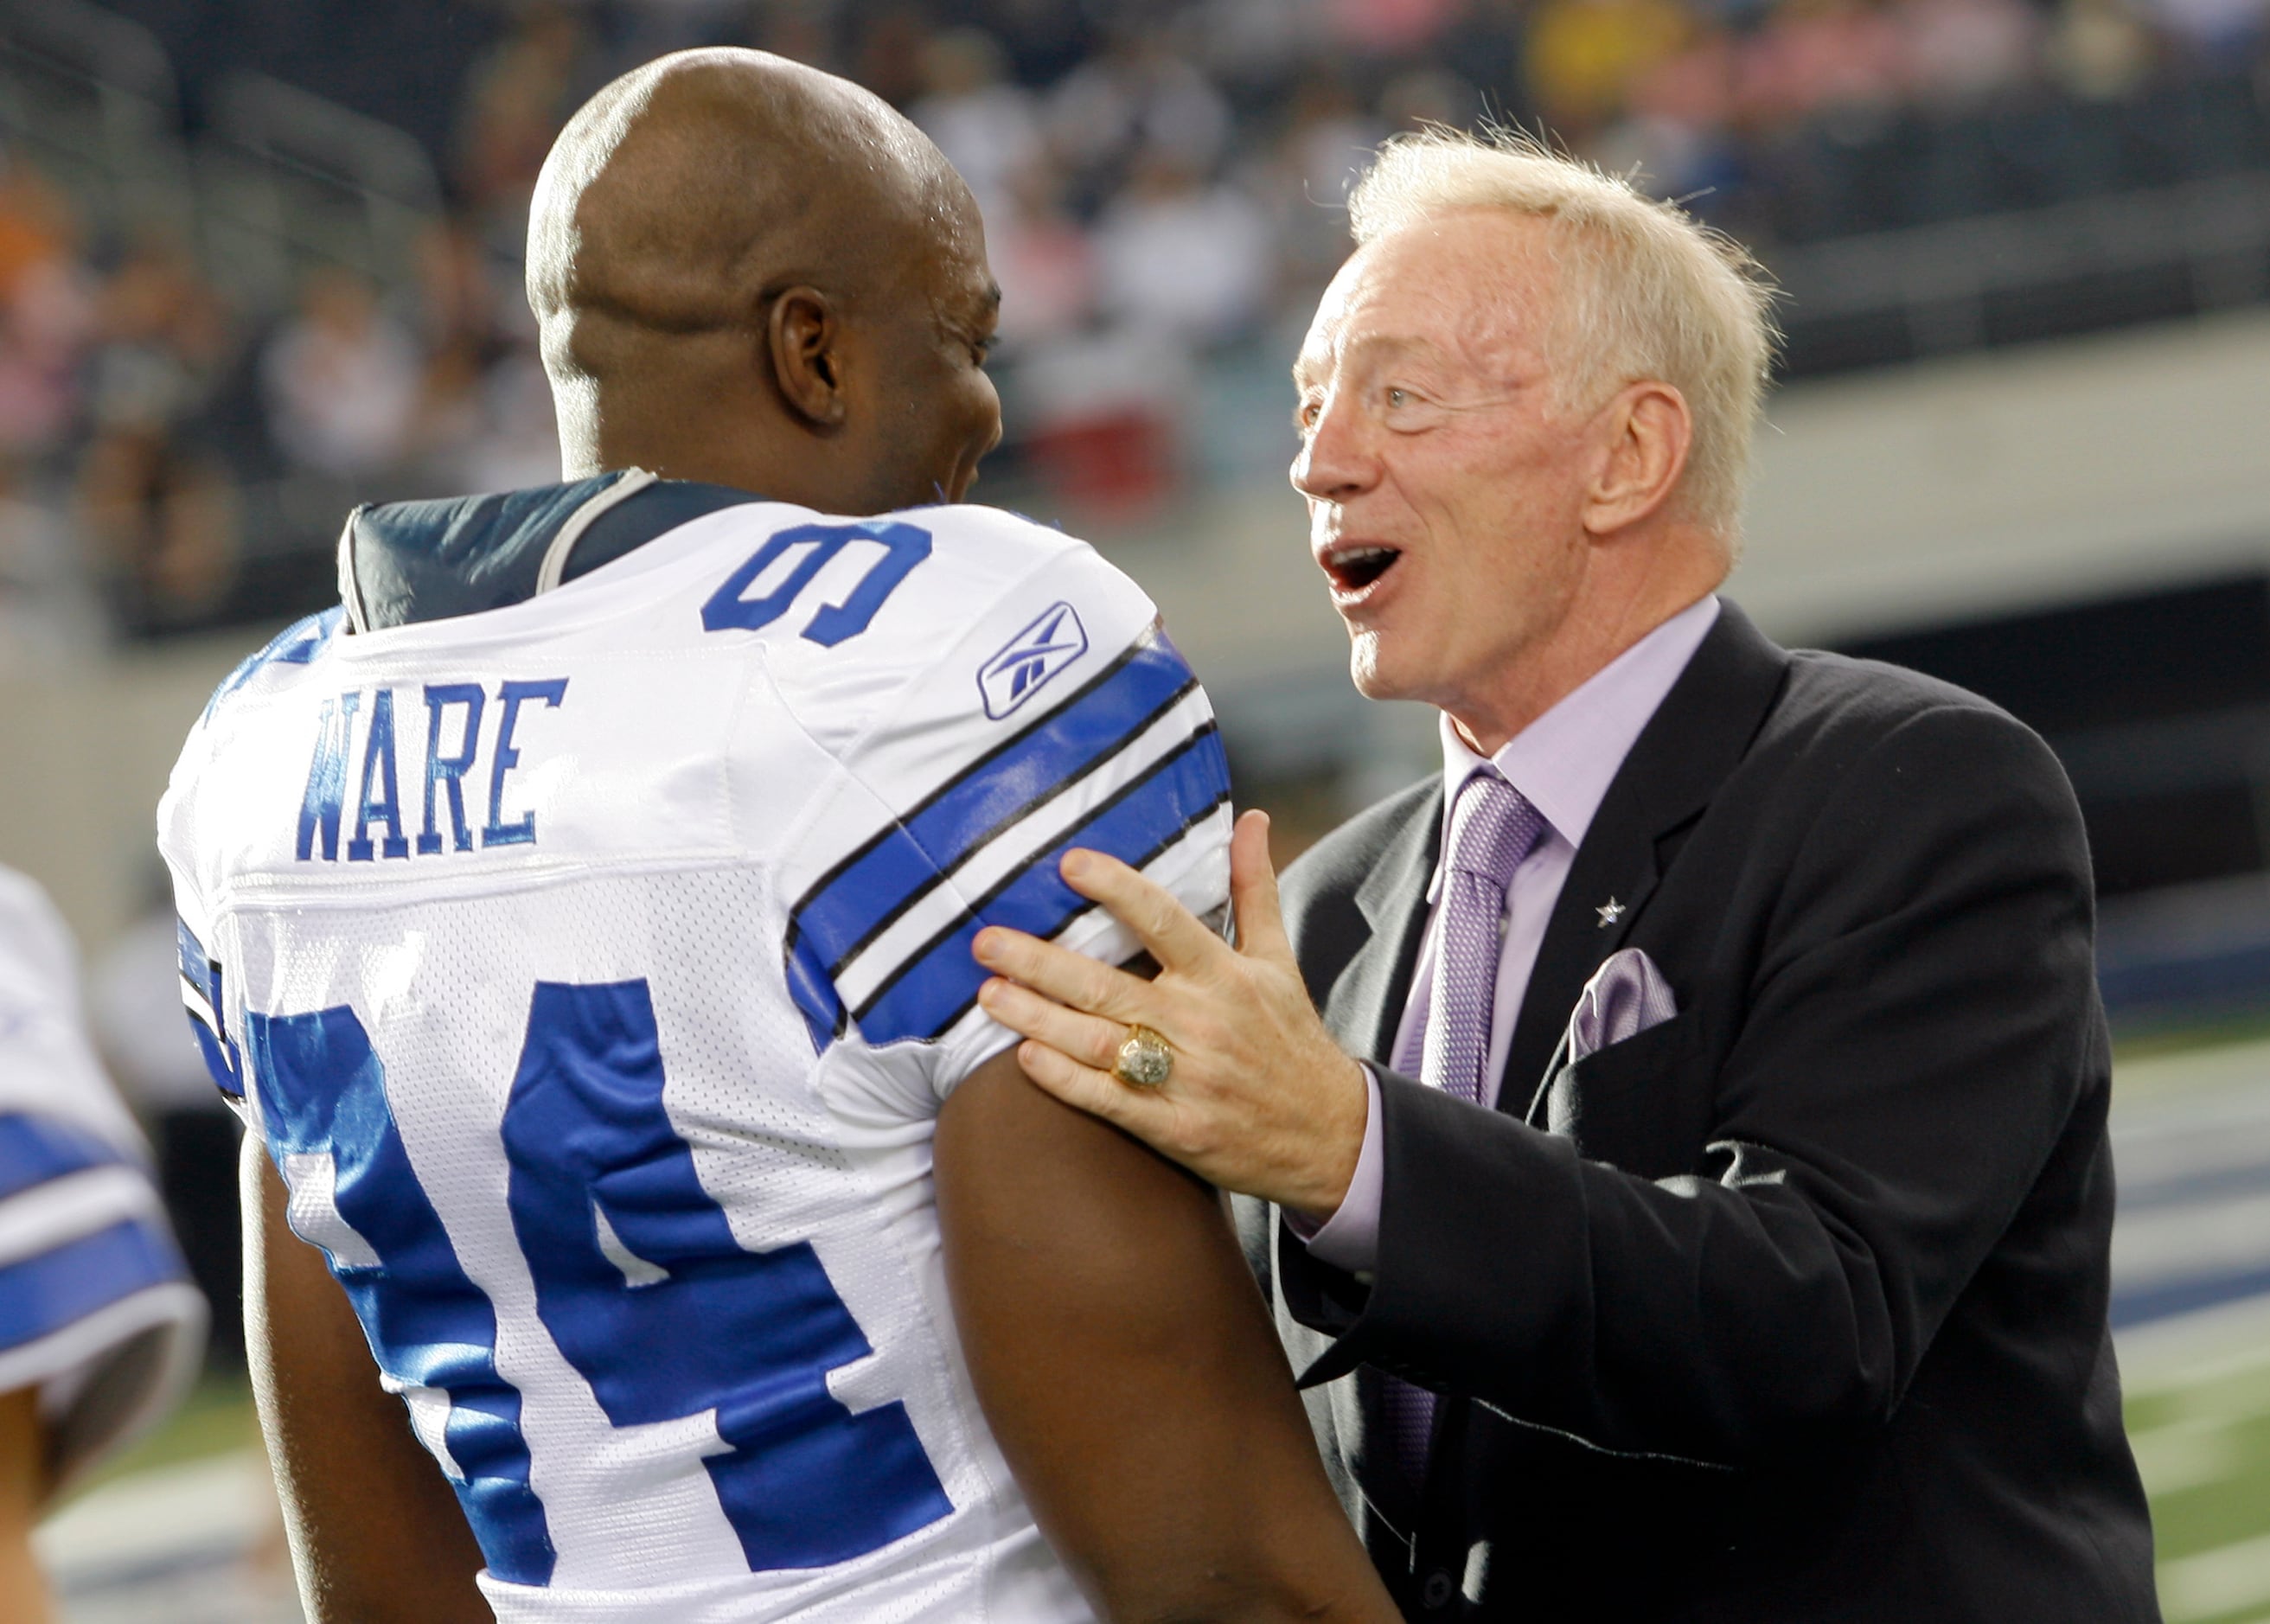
(1261,1099)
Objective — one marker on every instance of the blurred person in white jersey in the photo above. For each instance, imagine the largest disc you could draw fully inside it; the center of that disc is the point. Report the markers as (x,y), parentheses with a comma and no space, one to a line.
(99,1329)
(584,913)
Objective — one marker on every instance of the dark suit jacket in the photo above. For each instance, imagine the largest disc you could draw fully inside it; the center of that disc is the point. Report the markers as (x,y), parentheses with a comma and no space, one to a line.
(1791,1307)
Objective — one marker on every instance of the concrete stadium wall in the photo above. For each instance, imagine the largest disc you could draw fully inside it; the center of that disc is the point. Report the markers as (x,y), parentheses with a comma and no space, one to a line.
(85,751)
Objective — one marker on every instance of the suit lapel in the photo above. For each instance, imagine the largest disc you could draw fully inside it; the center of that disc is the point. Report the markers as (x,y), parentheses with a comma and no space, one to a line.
(1695,740)
(1366,1004)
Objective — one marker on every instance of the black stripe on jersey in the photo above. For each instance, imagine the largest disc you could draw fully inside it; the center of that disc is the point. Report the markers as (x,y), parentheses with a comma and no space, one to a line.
(982,841)
(1139,864)
(1166,762)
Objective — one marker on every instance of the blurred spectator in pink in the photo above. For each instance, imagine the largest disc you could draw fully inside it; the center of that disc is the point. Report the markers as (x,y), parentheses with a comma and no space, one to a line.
(342,380)
(45,313)
(1842,58)
(988,128)
(1389,28)
(1182,257)
(1960,53)
(1042,260)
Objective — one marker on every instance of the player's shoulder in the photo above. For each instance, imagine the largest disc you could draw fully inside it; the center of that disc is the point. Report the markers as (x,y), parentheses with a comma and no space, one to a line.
(987,610)
(297,645)
(940,564)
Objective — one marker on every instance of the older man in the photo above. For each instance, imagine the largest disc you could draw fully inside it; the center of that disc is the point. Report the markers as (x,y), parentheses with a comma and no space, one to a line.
(1693,1202)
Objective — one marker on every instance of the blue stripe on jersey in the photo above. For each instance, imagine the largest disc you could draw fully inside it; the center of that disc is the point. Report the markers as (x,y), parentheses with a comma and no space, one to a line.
(864,893)
(203,976)
(196,968)
(34,1149)
(297,644)
(814,994)
(937,985)
(41,1294)
(322,1092)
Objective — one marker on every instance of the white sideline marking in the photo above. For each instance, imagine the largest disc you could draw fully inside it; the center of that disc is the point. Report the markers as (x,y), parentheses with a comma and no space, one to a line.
(2214,1582)
(224,1503)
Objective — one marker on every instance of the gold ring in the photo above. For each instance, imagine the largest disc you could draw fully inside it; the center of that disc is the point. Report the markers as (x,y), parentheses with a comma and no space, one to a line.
(1146,1059)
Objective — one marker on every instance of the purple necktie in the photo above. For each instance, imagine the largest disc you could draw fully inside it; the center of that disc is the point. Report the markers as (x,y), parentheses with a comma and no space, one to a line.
(1493,828)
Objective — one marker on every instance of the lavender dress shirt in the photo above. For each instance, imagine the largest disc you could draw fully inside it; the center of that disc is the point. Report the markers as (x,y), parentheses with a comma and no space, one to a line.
(1563,762)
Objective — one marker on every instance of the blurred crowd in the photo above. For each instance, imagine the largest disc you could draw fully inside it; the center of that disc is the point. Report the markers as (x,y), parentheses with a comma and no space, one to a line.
(1160,185)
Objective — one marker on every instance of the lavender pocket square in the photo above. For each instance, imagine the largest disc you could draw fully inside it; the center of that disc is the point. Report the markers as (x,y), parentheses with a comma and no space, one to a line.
(1625,996)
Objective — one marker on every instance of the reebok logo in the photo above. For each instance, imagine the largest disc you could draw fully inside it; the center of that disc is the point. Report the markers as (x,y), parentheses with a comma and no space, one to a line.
(1030,658)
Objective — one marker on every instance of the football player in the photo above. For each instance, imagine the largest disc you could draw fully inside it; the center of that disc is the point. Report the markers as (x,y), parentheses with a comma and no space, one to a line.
(99,1329)
(584,913)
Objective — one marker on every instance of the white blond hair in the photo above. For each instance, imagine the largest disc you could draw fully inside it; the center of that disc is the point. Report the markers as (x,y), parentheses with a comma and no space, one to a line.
(1648,291)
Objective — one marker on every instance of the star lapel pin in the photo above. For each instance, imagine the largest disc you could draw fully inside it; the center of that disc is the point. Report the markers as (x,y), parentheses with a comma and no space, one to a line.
(1609,912)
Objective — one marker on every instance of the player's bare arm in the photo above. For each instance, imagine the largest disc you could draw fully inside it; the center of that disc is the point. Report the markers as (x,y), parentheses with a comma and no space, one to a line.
(23,1490)
(376,1535)
(1130,1371)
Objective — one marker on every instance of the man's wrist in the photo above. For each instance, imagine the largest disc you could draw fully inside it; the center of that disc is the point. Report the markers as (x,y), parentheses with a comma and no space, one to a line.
(1348,1237)
(1340,1147)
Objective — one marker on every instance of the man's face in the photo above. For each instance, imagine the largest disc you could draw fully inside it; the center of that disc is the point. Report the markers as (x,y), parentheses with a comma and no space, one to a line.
(1445,485)
(940,413)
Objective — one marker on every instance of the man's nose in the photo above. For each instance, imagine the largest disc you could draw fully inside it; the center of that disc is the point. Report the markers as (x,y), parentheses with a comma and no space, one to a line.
(1336,460)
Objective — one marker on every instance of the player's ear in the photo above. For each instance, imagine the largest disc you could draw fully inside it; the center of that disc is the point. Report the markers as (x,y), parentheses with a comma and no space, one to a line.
(805,333)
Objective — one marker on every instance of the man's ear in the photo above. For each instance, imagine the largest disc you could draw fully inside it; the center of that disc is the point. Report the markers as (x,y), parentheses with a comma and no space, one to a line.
(806,337)
(1648,431)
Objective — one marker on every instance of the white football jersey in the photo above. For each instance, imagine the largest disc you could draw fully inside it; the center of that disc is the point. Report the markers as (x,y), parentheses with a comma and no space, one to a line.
(96,1307)
(595,966)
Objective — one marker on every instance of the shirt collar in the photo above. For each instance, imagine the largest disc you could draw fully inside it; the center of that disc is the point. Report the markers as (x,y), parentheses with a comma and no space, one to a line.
(1565,759)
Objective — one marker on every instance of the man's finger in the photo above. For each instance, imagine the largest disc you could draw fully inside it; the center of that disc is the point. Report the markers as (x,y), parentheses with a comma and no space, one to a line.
(1174,935)
(1083,1087)
(1253,891)
(1057,973)
(1089,1038)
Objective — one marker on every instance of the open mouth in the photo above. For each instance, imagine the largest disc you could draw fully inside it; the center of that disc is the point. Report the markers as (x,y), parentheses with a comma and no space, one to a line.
(1355,569)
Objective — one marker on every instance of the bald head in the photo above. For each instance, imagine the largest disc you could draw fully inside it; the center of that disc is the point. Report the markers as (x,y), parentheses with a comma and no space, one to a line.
(728,255)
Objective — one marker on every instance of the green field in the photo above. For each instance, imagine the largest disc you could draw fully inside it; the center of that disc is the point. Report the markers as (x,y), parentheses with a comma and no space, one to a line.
(2201,1432)
(2200,1426)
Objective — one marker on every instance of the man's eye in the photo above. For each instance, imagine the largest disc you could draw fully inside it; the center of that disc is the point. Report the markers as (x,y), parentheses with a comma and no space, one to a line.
(1397,399)
(1305,414)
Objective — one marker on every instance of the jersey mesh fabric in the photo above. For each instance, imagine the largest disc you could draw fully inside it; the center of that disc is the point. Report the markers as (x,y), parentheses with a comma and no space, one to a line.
(615,1009)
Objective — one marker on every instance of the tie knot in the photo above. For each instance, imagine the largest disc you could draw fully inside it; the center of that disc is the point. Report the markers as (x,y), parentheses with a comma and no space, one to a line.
(1493,828)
